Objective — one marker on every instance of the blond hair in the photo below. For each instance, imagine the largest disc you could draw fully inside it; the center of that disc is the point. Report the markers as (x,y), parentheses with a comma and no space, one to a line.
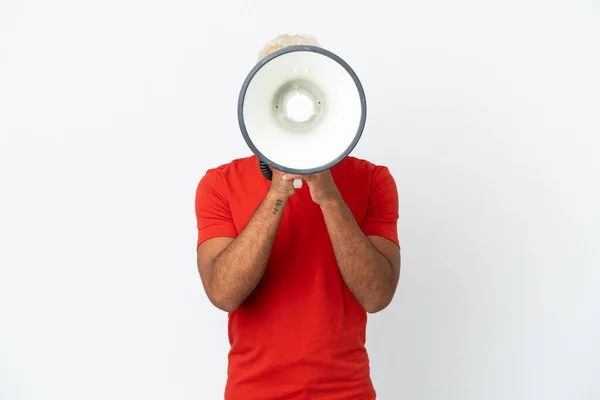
(286,40)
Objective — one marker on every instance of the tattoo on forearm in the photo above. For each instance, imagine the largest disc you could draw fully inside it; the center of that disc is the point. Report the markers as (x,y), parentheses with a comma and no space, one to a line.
(278,204)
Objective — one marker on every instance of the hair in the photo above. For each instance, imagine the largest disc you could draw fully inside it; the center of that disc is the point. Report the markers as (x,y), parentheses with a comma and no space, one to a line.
(285,40)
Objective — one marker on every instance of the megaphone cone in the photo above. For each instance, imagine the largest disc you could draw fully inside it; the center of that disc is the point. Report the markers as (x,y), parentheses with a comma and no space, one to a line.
(301,110)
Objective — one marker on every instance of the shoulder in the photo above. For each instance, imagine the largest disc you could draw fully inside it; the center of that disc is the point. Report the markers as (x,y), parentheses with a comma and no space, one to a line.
(364,170)
(362,182)
(235,181)
(235,166)
(223,173)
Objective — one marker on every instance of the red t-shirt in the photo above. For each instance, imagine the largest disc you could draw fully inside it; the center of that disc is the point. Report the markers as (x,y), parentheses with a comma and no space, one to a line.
(301,333)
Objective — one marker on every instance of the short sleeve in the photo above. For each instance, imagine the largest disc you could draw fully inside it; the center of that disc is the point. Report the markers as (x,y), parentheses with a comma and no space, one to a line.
(213,214)
(382,215)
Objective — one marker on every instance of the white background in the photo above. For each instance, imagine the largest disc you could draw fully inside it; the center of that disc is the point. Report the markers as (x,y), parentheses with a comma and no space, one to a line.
(487,114)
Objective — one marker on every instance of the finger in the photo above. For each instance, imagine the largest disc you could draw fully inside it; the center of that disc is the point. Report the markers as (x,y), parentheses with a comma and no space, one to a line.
(291,177)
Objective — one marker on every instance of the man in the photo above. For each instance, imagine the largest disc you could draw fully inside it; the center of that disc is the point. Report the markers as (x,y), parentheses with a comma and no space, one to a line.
(298,270)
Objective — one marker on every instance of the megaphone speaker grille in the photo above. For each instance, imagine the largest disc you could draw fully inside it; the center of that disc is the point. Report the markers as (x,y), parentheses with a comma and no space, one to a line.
(298,105)
(302,109)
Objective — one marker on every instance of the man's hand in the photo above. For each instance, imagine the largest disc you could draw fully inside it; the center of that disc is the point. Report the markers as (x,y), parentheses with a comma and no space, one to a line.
(284,188)
(322,186)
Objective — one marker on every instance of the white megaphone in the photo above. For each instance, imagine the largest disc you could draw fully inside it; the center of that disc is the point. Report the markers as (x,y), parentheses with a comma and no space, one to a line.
(301,110)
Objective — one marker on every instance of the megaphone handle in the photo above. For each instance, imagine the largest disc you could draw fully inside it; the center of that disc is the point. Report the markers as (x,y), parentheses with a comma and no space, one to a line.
(266,171)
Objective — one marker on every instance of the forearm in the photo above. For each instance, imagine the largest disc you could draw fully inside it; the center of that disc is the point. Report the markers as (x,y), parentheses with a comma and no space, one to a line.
(236,271)
(366,272)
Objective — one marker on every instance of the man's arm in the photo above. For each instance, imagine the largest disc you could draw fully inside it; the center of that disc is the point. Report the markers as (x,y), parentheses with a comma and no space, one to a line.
(370,265)
(230,269)
(368,256)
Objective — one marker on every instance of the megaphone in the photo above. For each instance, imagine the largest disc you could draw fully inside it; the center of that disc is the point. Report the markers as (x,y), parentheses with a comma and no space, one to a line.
(301,110)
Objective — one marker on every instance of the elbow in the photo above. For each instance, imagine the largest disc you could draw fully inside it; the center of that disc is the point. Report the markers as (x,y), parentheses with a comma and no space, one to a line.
(381,295)
(379,302)
(376,306)
(222,301)
(225,305)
